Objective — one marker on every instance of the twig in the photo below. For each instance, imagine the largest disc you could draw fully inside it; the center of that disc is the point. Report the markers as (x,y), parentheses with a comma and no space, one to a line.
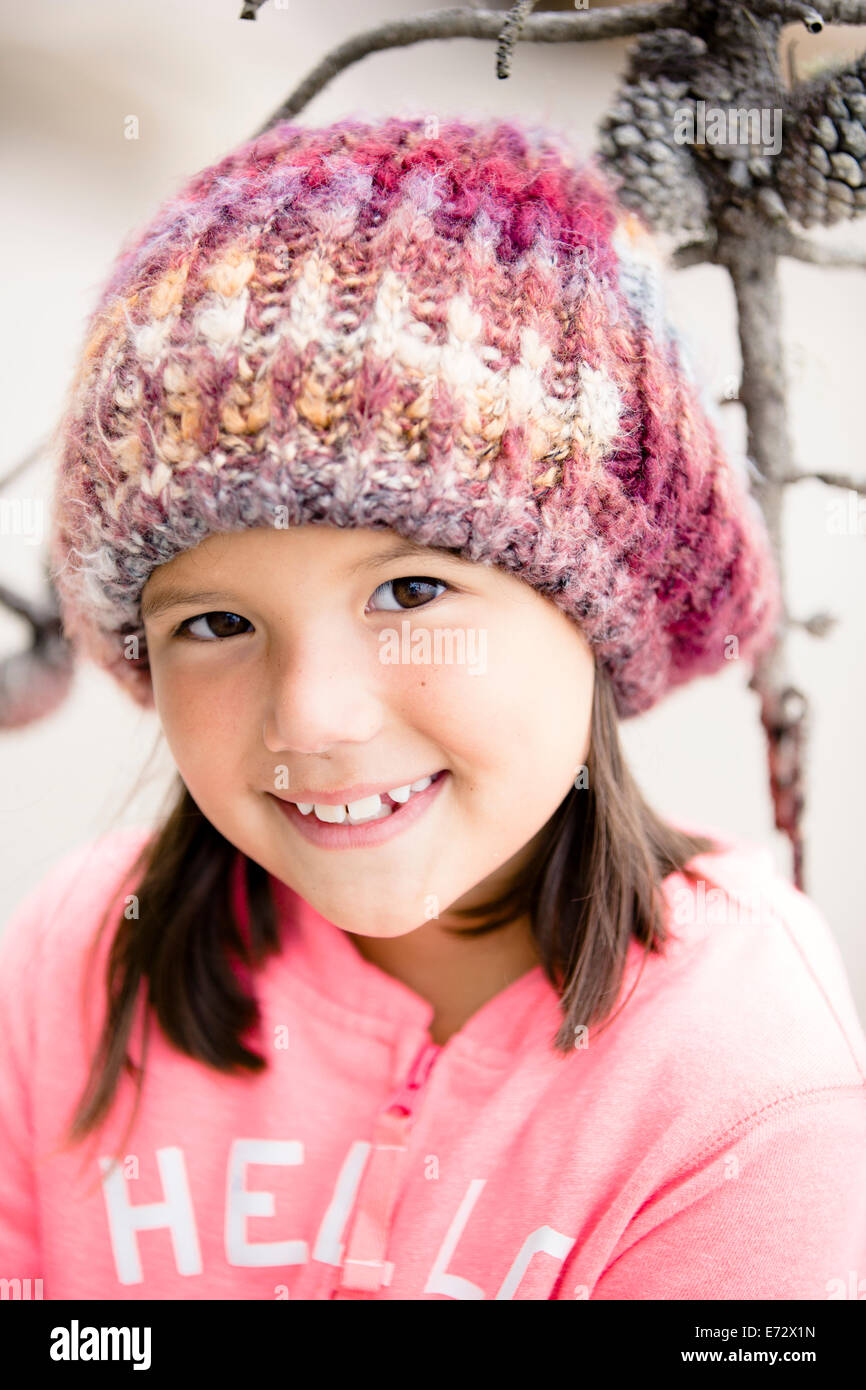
(840,480)
(789,11)
(477,24)
(511,30)
(24,463)
(801,249)
(694,253)
(784,242)
(813,17)
(41,617)
(835,12)
(813,21)
(819,625)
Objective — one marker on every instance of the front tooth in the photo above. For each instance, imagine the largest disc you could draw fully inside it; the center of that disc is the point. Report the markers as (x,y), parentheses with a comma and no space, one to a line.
(365,808)
(305,807)
(401,793)
(334,815)
(419,786)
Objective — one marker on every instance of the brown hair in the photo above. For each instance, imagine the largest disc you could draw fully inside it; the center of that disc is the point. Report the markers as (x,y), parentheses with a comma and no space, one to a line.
(592,886)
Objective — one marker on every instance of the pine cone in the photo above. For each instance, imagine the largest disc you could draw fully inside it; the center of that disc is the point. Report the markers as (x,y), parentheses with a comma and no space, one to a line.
(821,170)
(654,174)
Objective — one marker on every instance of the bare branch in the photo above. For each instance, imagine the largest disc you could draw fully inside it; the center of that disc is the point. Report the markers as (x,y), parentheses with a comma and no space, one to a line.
(840,480)
(517,17)
(813,17)
(789,11)
(813,21)
(819,625)
(24,463)
(41,617)
(843,11)
(801,249)
(694,253)
(477,24)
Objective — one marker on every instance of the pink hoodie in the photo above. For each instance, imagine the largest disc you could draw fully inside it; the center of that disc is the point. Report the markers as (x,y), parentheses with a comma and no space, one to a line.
(708,1143)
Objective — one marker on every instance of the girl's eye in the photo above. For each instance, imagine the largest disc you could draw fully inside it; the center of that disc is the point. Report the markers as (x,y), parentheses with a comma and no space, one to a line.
(221,625)
(411,589)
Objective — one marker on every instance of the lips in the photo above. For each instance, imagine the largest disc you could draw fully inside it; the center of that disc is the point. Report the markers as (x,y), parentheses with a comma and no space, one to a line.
(369,833)
(358,792)
(357,812)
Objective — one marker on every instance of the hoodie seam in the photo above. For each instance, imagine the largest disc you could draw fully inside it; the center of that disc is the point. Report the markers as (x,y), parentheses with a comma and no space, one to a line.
(821,991)
(809,1096)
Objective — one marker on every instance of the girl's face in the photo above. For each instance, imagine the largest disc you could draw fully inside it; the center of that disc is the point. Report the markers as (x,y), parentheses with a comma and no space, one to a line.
(276,679)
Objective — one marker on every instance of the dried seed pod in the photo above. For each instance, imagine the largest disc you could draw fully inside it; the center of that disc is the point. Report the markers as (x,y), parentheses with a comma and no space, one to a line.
(823,160)
(654,173)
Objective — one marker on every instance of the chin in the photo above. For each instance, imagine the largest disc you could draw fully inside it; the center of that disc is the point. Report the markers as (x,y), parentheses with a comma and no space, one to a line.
(384,925)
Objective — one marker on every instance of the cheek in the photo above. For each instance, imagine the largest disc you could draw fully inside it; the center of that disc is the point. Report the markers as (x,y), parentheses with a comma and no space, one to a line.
(536,716)
(204,722)
(514,729)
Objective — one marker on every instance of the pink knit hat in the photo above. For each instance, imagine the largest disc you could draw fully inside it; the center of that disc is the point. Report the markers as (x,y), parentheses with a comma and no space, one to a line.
(456,334)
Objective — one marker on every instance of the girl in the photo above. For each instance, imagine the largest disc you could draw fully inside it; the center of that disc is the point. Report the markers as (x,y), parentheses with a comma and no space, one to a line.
(384,481)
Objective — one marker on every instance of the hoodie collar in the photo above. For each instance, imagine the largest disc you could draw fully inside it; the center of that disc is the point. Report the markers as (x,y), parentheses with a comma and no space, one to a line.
(329,963)
(522,1014)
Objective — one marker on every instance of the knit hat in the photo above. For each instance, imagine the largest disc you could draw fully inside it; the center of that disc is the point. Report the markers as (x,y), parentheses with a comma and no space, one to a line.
(455,333)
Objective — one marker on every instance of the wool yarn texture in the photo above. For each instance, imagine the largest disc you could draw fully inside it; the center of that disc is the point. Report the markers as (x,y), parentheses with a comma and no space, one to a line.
(456,333)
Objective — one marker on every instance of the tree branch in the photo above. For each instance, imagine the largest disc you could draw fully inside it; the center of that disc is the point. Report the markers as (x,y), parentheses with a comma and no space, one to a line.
(23,463)
(801,249)
(784,243)
(831,479)
(514,23)
(477,24)
(819,625)
(789,11)
(42,617)
(831,11)
(695,253)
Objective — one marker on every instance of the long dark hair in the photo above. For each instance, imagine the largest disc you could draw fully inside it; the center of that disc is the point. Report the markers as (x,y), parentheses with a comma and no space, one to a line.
(592,886)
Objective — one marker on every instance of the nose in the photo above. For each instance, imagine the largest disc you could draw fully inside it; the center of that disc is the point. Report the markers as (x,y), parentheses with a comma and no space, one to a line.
(318,697)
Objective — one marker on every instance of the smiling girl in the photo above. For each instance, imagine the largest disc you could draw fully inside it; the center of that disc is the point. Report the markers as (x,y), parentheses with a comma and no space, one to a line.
(411,994)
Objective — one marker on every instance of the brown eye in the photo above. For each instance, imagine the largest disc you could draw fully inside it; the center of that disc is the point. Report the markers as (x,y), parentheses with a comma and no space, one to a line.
(412,591)
(221,625)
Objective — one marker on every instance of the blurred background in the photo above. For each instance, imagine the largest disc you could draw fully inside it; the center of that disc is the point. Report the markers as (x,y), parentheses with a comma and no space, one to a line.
(199,81)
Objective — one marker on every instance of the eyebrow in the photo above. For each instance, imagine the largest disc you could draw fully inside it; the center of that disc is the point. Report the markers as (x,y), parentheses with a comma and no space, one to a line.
(405,548)
(175,595)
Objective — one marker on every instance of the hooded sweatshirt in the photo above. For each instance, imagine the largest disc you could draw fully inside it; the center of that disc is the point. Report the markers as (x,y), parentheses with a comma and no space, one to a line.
(707,1142)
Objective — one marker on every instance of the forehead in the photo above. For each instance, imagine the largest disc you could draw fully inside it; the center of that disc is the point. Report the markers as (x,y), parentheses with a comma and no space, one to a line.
(350,544)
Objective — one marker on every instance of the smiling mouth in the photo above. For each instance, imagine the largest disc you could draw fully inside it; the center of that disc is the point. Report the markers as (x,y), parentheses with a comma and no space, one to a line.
(376,829)
(378,807)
